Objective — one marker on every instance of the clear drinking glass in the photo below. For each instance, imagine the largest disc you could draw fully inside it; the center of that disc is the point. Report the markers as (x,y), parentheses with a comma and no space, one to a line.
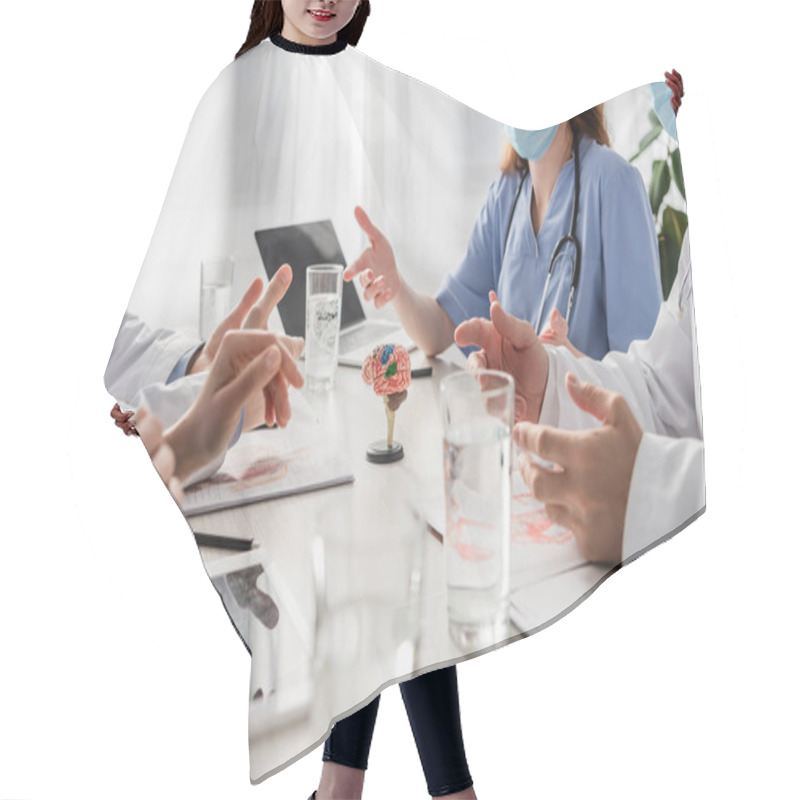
(368,568)
(216,282)
(323,315)
(478,415)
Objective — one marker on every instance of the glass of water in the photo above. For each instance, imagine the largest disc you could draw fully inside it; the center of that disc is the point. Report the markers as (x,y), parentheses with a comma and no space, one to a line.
(368,572)
(323,315)
(216,282)
(478,415)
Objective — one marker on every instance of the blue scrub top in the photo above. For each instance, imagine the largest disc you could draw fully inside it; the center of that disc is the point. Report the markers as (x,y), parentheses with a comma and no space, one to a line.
(619,290)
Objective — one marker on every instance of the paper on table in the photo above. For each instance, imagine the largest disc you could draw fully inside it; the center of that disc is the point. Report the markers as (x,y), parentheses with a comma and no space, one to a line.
(267,464)
(539,547)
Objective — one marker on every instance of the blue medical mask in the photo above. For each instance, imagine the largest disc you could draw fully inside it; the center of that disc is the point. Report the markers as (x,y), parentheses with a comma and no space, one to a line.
(662,105)
(531,145)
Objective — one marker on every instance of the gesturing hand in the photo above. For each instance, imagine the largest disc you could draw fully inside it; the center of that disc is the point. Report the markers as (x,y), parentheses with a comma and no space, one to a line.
(376,266)
(557,333)
(247,364)
(557,330)
(250,312)
(590,495)
(253,314)
(510,345)
(258,314)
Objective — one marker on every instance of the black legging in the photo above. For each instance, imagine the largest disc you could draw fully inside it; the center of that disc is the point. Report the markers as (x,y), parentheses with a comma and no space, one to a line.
(432,707)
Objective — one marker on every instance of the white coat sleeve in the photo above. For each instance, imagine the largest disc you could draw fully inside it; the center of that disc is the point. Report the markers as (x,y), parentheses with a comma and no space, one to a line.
(657,376)
(141,363)
(668,491)
(659,380)
(171,401)
(143,357)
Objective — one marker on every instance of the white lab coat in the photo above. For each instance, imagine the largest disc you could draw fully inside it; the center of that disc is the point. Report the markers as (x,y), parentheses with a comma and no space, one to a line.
(660,380)
(142,360)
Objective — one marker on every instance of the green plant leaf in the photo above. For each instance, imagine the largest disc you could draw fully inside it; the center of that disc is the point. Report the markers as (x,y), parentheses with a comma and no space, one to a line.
(677,171)
(647,140)
(659,185)
(670,240)
(674,223)
(653,117)
(667,277)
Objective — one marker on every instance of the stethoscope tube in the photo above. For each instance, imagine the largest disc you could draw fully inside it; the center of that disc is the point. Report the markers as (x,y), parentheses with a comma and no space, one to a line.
(570,238)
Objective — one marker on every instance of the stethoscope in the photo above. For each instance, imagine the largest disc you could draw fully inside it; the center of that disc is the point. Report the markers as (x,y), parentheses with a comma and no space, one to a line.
(562,242)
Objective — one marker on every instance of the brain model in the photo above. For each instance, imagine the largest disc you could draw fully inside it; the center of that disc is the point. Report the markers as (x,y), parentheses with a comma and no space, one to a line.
(387,369)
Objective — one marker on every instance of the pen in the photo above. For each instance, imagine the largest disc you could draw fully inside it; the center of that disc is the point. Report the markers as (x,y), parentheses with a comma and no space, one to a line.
(224,542)
(422,372)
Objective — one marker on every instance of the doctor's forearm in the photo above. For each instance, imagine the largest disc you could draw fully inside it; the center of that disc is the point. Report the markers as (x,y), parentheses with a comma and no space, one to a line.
(425,321)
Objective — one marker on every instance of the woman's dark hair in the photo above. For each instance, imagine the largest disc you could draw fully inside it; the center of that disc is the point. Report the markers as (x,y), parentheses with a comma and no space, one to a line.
(591,123)
(266,19)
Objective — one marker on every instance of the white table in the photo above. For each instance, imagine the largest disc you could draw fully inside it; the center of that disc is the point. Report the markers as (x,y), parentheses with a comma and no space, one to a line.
(297,717)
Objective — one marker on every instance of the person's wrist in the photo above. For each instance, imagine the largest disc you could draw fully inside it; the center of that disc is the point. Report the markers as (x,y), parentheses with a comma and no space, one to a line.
(402,292)
(187,458)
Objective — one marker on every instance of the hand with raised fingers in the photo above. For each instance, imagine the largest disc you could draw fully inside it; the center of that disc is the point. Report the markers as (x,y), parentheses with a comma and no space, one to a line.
(247,365)
(276,398)
(250,312)
(376,267)
(588,491)
(202,360)
(556,334)
(253,313)
(510,345)
(557,330)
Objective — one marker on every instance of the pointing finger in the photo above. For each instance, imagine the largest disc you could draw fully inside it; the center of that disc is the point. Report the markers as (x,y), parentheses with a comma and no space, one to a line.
(546,442)
(474,332)
(249,298)
(519,333)
(276,289)
(359,265)
(365,223)
(590,398)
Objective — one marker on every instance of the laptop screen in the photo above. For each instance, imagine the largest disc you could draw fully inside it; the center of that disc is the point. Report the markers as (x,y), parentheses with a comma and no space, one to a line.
(301,246)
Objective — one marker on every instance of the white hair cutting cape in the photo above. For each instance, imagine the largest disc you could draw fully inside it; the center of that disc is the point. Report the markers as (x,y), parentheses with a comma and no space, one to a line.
(287,136)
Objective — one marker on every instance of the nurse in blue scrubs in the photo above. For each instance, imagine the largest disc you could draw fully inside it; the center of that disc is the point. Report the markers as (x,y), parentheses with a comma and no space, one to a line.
(529,209)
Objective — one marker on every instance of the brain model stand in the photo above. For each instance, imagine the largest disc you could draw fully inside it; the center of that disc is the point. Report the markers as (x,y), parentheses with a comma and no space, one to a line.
(387,369)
